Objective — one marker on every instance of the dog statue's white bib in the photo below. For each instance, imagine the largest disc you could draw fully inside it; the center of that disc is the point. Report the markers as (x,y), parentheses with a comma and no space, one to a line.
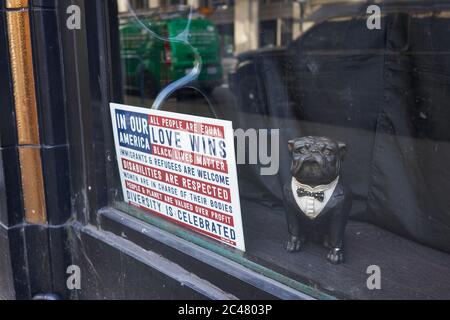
(310,206)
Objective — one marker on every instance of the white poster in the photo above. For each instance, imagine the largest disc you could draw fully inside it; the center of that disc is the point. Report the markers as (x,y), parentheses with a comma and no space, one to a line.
(181,168)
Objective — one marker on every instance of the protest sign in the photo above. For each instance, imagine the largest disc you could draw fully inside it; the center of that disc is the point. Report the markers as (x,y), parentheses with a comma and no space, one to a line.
(181,168)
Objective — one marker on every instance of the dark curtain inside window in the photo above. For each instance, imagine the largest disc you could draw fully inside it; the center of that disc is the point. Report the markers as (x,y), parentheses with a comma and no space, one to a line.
(386,93)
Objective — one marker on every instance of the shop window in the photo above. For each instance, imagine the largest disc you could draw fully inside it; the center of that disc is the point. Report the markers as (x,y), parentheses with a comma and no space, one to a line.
(383,93)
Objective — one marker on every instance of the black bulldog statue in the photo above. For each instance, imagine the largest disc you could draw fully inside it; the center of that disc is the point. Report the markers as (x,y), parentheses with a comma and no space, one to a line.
(317,203)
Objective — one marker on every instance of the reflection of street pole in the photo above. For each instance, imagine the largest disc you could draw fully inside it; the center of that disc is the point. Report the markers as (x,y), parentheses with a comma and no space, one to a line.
(153,3)
(122,6)
(246,25)
(302,14)
(299,8)
(302,4)
(195,4)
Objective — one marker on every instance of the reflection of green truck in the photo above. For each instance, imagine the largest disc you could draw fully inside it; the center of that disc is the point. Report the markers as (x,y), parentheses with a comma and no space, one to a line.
(150,63)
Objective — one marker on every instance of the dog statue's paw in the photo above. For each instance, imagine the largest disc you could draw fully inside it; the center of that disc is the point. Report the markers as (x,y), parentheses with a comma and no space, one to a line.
(294,244)
(336,256)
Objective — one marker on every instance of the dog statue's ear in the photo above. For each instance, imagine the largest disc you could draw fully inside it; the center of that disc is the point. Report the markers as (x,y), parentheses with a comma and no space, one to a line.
(342,149)
(291,145)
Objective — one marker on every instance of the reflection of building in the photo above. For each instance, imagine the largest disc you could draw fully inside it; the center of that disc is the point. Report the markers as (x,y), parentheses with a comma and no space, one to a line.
(251,24)
(243,24)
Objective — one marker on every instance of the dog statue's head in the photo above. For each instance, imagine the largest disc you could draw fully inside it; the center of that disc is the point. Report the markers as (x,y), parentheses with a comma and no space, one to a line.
(316,160)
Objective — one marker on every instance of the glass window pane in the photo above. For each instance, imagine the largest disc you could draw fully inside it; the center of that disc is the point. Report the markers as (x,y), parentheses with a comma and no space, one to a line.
(346,110)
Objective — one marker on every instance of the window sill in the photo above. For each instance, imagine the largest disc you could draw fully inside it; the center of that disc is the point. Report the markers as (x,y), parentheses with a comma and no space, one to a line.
(196,255)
